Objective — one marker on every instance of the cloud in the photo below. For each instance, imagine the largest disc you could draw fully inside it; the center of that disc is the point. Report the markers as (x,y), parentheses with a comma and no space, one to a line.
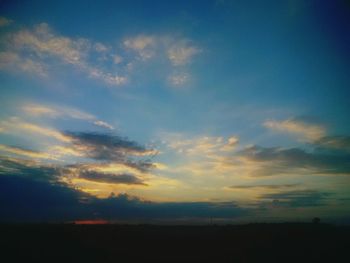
(27,200)
(201,145)
(42,41)
(13,61)
(102,147)
(30,192)
(15,125)
(5,21)
(181,52)
(103,124)
(110,178)
(117,59)
(114,143)
(306,131)
(231,144)
(176,50)
(265,186)
(29,169)
(107,147)
(328,154)
(179,79)
(38,49)
(41,110)
(139,42)
(287,161)
(63,111)
(99,47)
(26,152)
(143,45)
(98,157)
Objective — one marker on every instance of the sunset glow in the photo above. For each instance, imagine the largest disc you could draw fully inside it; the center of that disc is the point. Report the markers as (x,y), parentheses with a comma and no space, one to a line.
(174,110)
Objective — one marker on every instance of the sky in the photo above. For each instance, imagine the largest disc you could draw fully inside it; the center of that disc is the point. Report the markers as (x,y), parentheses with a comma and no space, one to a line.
(174,111)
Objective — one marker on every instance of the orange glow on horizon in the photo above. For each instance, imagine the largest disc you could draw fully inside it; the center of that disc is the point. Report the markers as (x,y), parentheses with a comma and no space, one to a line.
(91,222)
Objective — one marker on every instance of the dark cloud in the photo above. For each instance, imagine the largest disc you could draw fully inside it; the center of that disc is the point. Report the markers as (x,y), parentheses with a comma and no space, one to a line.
(112,148)
(110,178)
(23,199)
(25,168)
(298,198)
(27,200)
(33,193)
(281,160)
(265,186)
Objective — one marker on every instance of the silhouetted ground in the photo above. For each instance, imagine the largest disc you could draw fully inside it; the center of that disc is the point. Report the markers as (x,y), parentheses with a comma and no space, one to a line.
(148,243)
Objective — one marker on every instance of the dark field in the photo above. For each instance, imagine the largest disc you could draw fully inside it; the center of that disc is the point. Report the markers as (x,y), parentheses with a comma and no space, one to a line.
(147,243)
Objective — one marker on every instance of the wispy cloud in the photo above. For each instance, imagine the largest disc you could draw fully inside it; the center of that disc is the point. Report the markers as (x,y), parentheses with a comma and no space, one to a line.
(143,45)
(63,111)
(15,125)
(26,152)
(13,61)
(303,130)
(103,124)
(178,51)
(200,145)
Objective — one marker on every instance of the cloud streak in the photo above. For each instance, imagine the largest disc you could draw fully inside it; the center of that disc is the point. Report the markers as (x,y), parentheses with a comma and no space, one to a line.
(26,152)
(305,131)
(16,125)
(56,111)
(110,178)
(264,186)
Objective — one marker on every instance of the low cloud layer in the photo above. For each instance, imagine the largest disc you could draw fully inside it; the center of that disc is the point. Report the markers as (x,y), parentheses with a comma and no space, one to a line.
(298,198)
(31,192)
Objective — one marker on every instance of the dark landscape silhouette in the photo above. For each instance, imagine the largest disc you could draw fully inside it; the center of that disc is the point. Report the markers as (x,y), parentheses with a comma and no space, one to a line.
(280,242)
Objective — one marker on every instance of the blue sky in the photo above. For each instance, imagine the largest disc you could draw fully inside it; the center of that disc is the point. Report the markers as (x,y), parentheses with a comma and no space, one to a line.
(199,103)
